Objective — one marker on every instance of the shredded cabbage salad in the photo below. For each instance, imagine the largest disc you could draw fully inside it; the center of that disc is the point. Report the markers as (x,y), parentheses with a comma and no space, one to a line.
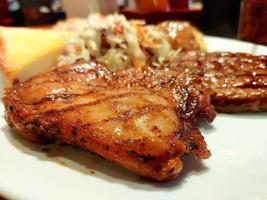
(117,42)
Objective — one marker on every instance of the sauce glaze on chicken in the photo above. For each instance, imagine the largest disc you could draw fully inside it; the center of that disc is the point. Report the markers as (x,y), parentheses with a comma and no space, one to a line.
(237,82)
(141,119)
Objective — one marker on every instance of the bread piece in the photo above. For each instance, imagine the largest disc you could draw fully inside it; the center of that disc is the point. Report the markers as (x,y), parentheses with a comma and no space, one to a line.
(25,52)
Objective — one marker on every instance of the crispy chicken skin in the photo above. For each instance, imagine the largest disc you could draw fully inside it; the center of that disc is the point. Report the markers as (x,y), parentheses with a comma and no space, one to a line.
(237,82)
(141,119)
(183,35)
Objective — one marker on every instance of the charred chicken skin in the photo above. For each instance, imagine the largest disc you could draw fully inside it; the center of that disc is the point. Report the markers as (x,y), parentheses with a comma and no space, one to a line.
(237,82)
(141,119)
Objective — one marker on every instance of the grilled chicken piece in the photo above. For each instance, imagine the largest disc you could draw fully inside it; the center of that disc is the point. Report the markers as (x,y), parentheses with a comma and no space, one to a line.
(237,82)
(183,35)
(143,120)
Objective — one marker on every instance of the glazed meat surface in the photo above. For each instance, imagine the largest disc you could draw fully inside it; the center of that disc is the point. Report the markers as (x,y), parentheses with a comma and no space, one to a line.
(183,35)
(237,82)
(141,119)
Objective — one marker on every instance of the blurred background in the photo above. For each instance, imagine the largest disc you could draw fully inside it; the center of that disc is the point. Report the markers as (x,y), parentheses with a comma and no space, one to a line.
(243,19)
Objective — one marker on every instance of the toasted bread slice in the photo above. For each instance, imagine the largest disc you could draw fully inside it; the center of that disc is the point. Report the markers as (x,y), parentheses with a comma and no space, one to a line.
(25,52)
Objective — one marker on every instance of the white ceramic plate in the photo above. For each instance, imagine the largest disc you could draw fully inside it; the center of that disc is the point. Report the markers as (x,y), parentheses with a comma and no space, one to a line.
(236,170)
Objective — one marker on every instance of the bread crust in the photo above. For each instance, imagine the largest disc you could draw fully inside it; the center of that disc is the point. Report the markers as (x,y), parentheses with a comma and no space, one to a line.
(2,53)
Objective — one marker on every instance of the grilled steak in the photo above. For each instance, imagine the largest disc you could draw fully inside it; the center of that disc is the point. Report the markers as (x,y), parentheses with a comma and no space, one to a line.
(237,82)
(141,119)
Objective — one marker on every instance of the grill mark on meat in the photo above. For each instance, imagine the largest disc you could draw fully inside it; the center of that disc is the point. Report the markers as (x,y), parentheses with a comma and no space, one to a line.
(96,102)
(136,112)
(66,84)
(80,79)
(235,80)
(119,117)
(146,111)
(54,97)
